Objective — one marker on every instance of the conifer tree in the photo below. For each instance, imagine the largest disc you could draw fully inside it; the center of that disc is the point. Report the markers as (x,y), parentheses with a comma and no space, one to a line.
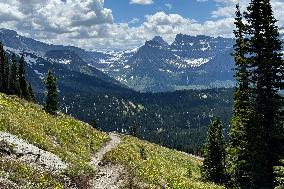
(4,70)
(14,85)
(257,127)
(22,78)
(134,129)
(238,154)
(6,75)
(267,77)
(51,101)
(2,65)
(213,168)
(31,93)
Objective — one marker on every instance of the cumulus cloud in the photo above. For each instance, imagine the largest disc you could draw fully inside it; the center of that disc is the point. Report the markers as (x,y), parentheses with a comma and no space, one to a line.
(88,24)
(168,25)
(55,15)
(227,8)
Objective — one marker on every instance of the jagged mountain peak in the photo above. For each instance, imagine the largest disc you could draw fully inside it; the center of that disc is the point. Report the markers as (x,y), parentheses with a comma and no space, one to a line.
(152,43)
(161,41)
(8,32)
(154,49)
(184,40)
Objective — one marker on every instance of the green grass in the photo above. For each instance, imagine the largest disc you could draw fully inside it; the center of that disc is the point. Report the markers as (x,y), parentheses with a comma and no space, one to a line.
(27,177)
(73,141)
(161,167)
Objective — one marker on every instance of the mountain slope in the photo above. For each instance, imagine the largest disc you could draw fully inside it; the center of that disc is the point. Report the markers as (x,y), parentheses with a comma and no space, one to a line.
(70,140)
(73,73)
(69,63)
(74,144)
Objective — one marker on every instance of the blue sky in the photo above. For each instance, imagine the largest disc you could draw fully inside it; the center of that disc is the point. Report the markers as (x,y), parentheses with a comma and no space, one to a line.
(123,11)
(121,24)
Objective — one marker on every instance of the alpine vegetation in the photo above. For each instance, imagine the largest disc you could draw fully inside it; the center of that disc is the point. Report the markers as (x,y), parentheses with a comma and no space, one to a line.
(213,168)
(51,99)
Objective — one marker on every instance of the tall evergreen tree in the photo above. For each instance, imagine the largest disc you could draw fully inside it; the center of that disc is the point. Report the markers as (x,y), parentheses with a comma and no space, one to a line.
(6,75)
(267,77)
(2,66)
(4,70)
(32,96)
(257,129)
(14,85)
(51,100)
(134,129)
(22,78)
(213,168)
(238,150)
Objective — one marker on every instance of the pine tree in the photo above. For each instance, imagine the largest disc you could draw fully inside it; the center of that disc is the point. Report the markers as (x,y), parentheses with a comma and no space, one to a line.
(238,154)
(22,78)
(14,85)
(32,96)
(134,129)
(267,77)
(213,168)
(2,60)
(257,127)
(51,101)
(4,70)
(6,75)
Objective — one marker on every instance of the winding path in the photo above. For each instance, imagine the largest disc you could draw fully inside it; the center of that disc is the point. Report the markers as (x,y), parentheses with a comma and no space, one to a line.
(108,175)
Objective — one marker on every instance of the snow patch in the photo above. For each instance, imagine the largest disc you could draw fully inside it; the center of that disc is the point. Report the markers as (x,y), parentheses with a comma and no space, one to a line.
(197,62)
(30,60)
(64,61)
(204,96)
(16,51)
(41,75)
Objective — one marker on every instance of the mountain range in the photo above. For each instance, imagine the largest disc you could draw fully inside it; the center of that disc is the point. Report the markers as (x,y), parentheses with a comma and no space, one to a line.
(190,62)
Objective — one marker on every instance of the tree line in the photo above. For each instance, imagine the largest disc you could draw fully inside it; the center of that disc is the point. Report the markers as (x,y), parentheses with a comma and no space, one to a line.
(13,81)
(253,158)
(13,77)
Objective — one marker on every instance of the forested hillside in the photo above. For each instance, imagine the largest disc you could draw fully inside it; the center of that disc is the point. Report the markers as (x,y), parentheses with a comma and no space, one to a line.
(176,119)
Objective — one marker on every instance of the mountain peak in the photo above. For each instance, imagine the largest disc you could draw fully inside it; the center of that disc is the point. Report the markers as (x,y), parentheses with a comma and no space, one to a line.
(8,32)
(161,41)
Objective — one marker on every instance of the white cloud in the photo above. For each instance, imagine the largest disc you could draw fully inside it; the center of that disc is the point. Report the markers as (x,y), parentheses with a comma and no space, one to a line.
(134,21)
(168,25)
(88,24)
(227,8)
(142,2)
(55,15)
